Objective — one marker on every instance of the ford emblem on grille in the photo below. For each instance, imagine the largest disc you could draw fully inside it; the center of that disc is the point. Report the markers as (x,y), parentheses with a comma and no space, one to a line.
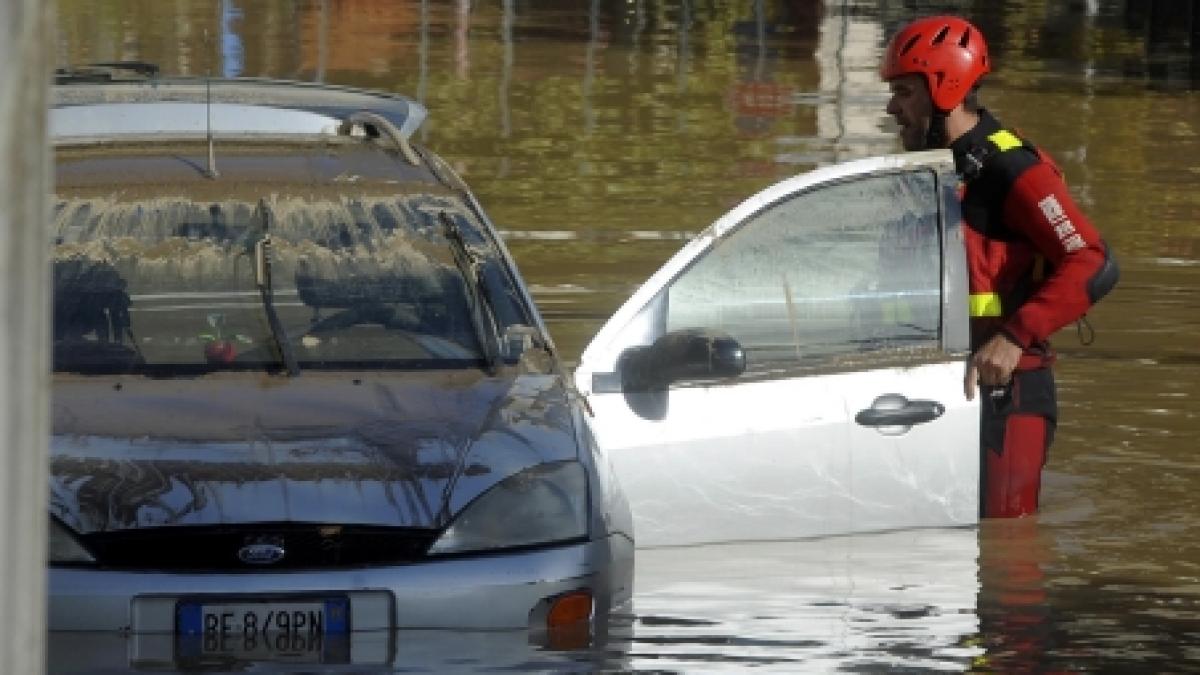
(262,552)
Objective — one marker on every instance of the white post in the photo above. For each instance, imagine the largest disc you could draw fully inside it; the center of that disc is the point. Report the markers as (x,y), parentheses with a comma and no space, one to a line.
(26,57)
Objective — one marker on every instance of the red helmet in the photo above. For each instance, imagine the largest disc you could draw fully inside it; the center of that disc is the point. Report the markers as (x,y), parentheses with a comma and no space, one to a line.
(947,50)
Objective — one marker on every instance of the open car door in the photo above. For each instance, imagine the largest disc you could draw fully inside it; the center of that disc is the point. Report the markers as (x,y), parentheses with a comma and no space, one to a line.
(797,369)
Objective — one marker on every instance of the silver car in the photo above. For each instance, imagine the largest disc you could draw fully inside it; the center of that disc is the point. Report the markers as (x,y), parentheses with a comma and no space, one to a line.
(301,395)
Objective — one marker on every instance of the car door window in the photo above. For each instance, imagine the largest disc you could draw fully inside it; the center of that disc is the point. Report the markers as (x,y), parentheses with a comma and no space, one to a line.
(824,278)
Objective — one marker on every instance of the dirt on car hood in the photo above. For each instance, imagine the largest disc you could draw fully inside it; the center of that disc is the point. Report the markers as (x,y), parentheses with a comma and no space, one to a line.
(406,450)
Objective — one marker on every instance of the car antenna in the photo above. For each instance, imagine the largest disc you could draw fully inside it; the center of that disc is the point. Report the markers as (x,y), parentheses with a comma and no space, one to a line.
(212,154)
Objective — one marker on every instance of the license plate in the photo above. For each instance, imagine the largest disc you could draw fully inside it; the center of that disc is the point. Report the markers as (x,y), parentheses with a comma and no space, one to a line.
(302,630)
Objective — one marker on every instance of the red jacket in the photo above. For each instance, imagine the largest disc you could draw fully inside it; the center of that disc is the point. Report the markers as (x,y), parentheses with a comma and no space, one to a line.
(1036,263)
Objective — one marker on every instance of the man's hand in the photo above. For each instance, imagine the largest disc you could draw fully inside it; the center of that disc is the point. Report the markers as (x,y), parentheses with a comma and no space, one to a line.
(992,365)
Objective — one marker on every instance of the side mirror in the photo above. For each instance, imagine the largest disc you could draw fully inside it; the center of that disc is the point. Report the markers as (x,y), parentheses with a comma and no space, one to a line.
(690,354)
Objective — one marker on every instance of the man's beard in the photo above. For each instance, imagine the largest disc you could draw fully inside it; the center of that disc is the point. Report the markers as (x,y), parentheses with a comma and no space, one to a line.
(913,139)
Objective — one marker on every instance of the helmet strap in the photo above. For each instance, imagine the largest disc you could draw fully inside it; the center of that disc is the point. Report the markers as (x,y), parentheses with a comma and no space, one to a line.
(935,137)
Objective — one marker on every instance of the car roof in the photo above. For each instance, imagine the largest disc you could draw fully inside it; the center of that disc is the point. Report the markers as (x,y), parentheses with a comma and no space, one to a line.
(122,126)
(89,109)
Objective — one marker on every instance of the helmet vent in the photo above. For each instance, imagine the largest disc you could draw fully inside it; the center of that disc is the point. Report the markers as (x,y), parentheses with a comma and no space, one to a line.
(941,35)
(965,38)
(912,41)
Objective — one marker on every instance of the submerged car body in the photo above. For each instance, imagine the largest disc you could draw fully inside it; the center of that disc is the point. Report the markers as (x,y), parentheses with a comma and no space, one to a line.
(296,368)
(298,378)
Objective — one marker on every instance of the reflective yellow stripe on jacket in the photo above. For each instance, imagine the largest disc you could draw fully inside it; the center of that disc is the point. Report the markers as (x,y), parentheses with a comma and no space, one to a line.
(985,304)
(1005,140)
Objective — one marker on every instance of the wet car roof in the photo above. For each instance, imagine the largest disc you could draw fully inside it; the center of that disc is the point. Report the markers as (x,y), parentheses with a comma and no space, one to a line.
(340,103)
(178,131)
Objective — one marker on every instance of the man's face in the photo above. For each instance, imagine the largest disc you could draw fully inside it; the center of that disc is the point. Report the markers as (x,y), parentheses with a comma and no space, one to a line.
(913,109)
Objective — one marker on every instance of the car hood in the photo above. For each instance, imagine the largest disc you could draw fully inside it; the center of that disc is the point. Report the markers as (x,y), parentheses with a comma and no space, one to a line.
(405,450)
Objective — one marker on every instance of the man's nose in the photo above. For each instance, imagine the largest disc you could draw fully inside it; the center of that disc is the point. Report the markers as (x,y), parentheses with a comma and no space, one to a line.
(892,108)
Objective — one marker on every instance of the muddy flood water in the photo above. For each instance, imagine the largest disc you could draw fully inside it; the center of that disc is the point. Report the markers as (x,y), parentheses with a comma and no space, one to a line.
(600,135)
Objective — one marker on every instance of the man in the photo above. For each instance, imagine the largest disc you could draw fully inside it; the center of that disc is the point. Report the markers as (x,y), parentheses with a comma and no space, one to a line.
(1035,262)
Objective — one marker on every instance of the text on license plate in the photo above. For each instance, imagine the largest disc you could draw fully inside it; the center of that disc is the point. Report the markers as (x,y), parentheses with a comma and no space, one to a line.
(315,617)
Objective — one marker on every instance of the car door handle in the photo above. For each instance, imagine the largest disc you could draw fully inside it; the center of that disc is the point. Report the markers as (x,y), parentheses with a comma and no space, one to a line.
(894,410)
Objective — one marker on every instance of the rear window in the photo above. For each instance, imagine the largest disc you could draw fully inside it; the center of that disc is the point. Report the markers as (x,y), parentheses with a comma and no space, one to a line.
(166,286)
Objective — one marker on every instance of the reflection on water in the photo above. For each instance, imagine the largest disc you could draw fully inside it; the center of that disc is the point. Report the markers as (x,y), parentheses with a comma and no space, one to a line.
(1014,615)
(869,603)
(602,133)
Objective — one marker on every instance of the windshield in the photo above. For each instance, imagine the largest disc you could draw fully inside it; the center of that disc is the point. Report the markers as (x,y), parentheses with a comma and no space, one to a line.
(167,286)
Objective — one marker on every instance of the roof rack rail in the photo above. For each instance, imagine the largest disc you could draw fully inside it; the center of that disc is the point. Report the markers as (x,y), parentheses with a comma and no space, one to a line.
(107,71)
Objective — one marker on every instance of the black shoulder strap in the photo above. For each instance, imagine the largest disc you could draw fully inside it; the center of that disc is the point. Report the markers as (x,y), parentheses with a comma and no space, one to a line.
(998,144)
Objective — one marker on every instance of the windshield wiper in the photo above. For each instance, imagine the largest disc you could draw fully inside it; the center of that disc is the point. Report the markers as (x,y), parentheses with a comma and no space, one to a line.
(483,317)
(262,277)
